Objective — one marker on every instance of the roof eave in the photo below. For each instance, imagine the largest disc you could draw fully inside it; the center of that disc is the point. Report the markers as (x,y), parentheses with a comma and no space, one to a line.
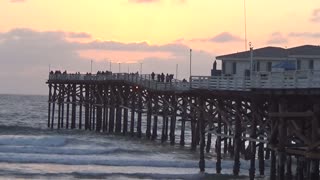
(254,58)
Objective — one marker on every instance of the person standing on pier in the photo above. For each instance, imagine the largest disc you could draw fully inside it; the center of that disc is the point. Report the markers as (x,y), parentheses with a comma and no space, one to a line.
(162,77)
(152,75)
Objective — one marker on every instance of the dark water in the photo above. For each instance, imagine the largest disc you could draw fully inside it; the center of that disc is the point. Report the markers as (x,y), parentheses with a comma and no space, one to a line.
(29,150)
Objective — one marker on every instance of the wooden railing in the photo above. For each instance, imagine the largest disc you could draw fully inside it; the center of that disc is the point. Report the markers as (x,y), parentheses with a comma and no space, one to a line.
(220,83)
(144,80)
(259,80)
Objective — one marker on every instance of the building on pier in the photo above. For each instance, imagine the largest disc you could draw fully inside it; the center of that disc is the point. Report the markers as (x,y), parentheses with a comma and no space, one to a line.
(272,67)
(271,59)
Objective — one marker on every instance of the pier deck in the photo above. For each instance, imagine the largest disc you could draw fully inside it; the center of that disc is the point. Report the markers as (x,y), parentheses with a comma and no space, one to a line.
(260,119)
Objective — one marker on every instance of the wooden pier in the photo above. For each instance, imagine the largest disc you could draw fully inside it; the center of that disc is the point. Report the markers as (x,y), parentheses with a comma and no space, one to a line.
(278,125)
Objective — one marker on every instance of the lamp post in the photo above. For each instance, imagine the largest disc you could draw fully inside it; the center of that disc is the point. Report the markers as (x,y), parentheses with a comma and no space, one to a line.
(190,66)
(251,60)
(245,24)
(91,67)
(110,65)
(128,68)
(140,68)
(176,71)
(119,67)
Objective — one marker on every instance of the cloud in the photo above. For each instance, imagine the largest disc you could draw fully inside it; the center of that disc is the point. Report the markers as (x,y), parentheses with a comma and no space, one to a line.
(81,35)
(304,35)
(315,17)
(143,1)
(154,1)
(17,1)
(25,56)
(223,37)
(277,38)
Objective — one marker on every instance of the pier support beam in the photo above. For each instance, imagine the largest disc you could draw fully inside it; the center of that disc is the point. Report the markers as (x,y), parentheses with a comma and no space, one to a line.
(74,101)
(54,98)
(173,119)
(86,106)
(273,169)
(273,107)
(183,120)
(237,139)
(202,135)
(59,105)
(314,174)
(118,112)
(112,109)
(164,132)
(125,112)
(282,141)
(261,157)
(193,116)
(155,118)
(139,122)
(49,103)
(62,106)
(149,117)
(218,141)
(133,104)
(99,108)
(106,108)
(288,174)
(253,135)
(80,105)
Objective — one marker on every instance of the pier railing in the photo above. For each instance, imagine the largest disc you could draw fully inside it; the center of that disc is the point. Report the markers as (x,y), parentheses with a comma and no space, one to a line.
(144,80)
(259,80)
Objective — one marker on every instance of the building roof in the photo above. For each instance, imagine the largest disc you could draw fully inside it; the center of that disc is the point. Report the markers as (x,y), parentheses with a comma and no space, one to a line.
(307,50)
(275,52)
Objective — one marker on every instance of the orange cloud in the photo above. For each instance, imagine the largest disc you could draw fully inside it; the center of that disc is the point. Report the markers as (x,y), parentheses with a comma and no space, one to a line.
(122,56)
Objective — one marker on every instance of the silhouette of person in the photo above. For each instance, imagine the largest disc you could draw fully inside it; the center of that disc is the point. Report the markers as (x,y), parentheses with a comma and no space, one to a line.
(214,65)
(162,77)
(152,75)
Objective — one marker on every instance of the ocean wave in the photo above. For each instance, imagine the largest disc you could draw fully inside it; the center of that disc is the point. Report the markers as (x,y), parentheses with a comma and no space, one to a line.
(51,141)
(68,150)
(112,160)
(113,176)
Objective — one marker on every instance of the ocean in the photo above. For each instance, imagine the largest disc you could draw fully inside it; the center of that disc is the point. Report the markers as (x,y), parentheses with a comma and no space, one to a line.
(29,150)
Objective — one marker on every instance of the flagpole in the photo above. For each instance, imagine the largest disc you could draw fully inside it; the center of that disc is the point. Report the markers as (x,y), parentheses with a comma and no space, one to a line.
(245,25)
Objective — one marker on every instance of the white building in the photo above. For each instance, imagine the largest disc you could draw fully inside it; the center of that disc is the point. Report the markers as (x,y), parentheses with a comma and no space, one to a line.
(270,68)
(271,59)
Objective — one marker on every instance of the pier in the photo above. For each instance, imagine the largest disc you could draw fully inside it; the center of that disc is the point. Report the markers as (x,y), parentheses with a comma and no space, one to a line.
(270,116)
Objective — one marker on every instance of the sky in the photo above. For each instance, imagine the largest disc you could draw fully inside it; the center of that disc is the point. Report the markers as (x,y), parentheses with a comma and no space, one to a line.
(154,34)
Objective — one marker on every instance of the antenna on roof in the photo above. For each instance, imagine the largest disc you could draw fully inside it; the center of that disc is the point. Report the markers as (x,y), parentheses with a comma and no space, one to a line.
(245,25)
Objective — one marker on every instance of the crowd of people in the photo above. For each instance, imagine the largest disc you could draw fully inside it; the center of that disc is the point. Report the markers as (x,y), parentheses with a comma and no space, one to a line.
(161,77)
(104,73)
(156,77)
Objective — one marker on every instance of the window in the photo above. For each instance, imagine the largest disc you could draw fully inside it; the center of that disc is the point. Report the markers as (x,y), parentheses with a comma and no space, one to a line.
(298,64)
(258,66)
(311,64)
(234,68)
(269,66)
(223,67)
